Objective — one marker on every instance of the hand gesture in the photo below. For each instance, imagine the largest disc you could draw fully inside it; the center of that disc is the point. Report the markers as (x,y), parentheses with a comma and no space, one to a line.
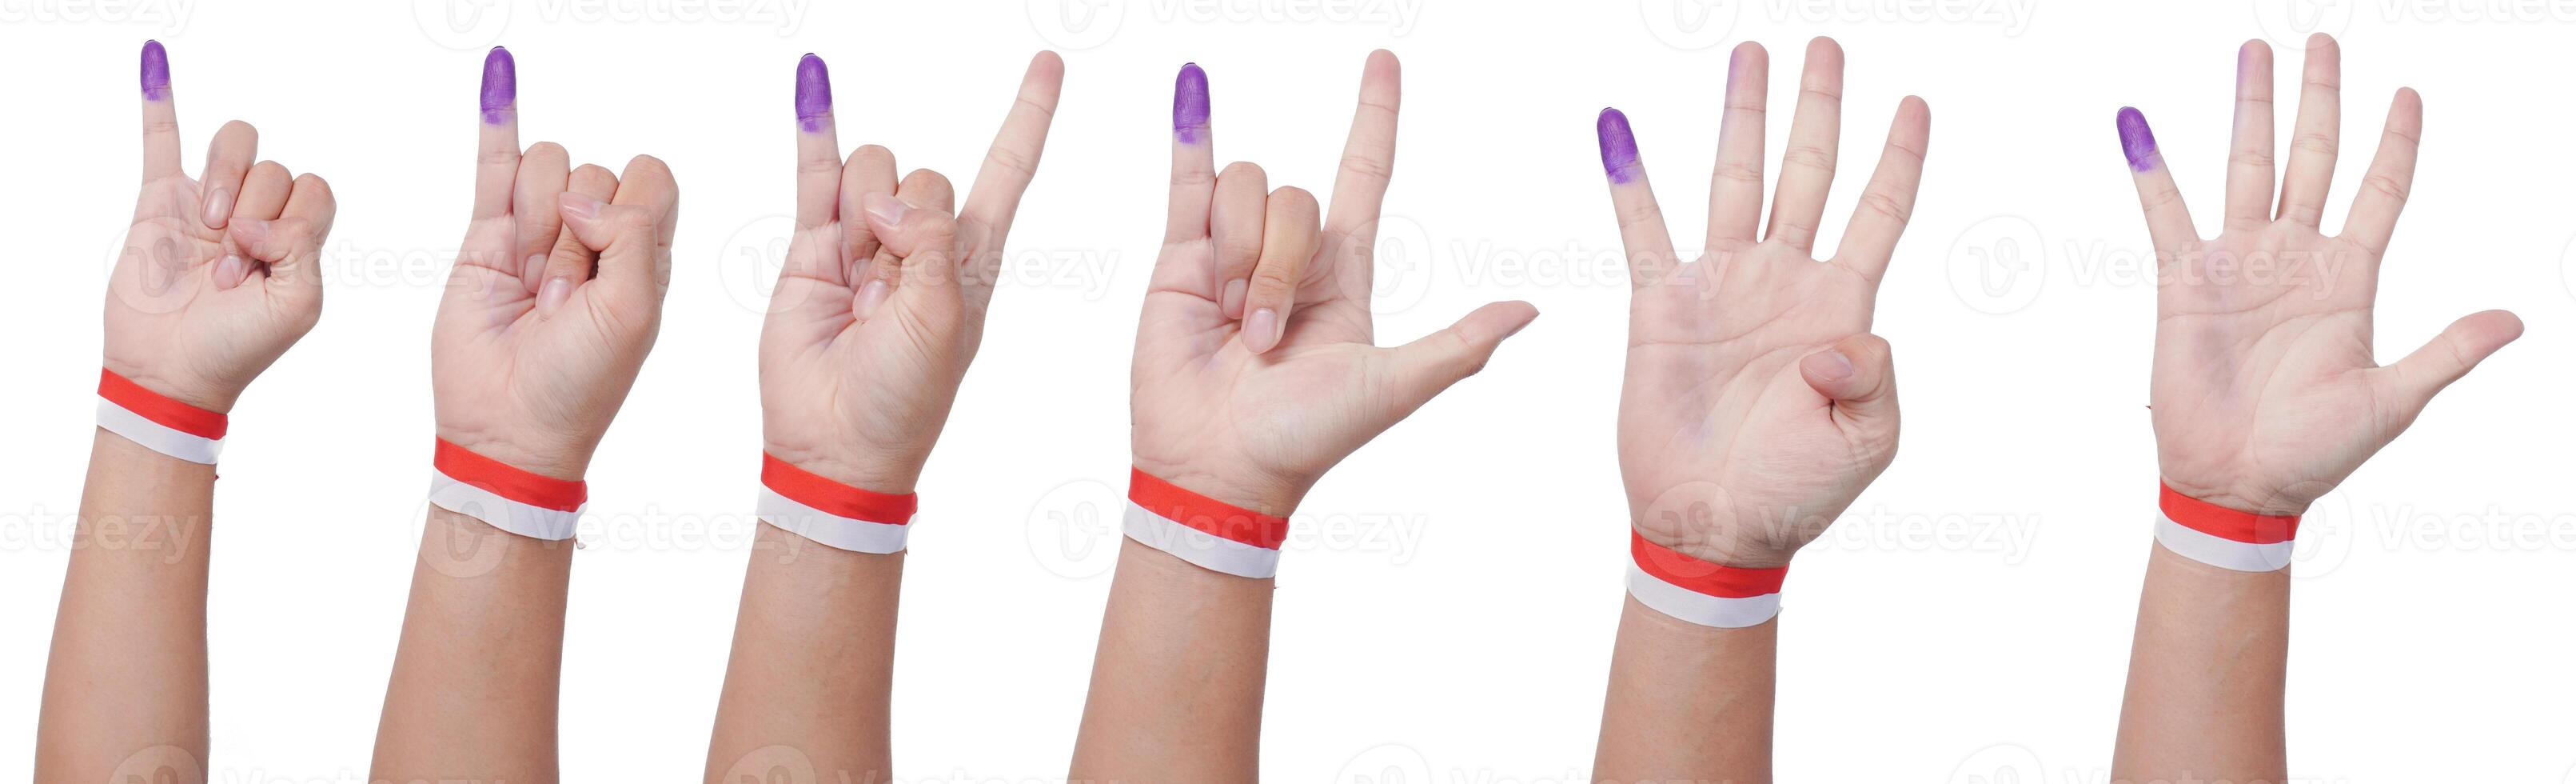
(1256,362)
(1757,404)
(2265,393)
(555,297)
(218,276)
(881,304)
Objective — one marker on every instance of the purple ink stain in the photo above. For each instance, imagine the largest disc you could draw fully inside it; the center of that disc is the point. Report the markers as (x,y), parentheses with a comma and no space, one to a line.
(1618,147)
(1190,105)
(500,86)
(813,94)
(2137,142)
(156,72)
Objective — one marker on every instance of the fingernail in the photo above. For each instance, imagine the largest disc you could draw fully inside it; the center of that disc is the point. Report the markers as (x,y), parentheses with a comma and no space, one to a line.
(1261,331)
(580,206)
(553,295)
(2137,142)
(1828,365)
(870,296)
(1190,105)
(1618,147)
(156,72)
(813,94)
(230,272)
(500,86)
(219,206)
(886,209)
(1233,299)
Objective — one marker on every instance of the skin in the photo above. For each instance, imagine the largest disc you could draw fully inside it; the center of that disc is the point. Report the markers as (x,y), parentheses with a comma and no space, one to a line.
(1756,404)
(553,303)
(2265,396)
(873,323)
(1250,410)
(217,280)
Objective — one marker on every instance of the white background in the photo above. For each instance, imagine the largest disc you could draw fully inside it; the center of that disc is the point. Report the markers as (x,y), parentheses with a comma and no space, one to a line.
(1970,619)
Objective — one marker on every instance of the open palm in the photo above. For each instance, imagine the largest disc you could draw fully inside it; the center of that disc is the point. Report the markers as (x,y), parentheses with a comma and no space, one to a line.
(881,304)
(1256,364)
(217,276)
(1757,405)
(555,298)
(2266,393)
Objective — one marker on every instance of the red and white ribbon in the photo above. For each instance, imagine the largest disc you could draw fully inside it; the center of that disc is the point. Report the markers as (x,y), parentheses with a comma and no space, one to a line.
(837,515)
(507,497)
(1701,592)
(2223,537)
(158,422)
(1215,535)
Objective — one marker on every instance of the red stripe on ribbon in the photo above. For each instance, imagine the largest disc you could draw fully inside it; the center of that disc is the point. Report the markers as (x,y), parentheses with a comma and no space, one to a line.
(159,408)
(1208,515)
(2225,523)
(506,481)
(1703,577)
(833,498)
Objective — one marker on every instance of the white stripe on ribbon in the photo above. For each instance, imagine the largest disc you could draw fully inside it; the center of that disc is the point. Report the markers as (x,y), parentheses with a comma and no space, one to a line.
(1209,551)
(156,436)
(831,530)
(2220,551)
(1724,612)
(527,520)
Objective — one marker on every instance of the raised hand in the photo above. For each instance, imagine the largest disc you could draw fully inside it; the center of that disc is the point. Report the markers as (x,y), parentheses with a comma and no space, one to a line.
(218,276)
(1757,404)
(555,297)
(881,304)
(2266,393)
(1256,363)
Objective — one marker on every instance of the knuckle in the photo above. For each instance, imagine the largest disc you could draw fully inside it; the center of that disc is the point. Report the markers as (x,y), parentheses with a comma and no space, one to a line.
(1808,155)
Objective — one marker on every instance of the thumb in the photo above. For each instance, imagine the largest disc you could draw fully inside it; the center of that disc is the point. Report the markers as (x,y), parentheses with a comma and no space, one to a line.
(1426,366)
(925,239)
(2447,357)
(1858,374)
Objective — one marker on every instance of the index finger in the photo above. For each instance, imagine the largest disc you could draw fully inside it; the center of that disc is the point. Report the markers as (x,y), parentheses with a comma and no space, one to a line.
(1193,157)
(1368,156)
(1013,159)
(497,156)
(818,145)
(160,116)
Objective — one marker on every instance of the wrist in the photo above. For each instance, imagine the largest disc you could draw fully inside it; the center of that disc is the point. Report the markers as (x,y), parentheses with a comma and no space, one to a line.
(1702,592)
(835,512)
(1251,491)
(1204,530)
(552,458)
(2223,535)
(882,474)
(159,422)
(504,495)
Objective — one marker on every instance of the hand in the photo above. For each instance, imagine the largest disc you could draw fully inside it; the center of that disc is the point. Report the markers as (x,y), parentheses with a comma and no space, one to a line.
(219,274)
(1757,404)
(1256,368)
(2265,393)
(881,304)
(555,298)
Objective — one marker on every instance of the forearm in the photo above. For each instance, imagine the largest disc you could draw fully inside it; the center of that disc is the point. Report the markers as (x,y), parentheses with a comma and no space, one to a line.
(1176,684)
(125,683)
(475,677)
(2205,675)
(1687,702)
(812,667)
